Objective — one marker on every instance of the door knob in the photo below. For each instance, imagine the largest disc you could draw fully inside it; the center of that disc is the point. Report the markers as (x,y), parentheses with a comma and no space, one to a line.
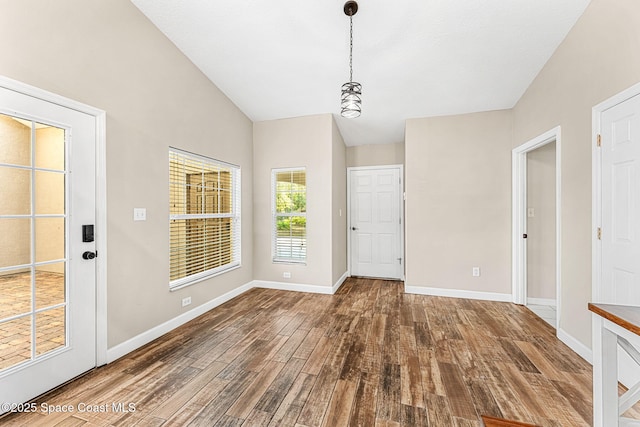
(89,255)
(353,228)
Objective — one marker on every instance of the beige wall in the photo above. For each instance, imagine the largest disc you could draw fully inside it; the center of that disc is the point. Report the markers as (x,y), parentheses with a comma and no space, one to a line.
(298,142)
(338,204)
(598,59)
(15,197)
(50,197)
(375,155)
(458,206)
(541,227)
(107,54)
(15,241)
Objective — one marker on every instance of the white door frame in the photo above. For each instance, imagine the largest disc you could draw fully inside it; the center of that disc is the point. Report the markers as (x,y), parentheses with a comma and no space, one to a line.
(596,186)
(101,200)
(400,201)
(626,371)
(519,216)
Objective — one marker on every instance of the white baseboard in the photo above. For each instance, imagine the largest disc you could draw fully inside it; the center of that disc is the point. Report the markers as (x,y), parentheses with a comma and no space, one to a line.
(340,281)
(138,341)
(575,345)
(542,301)
(298,287)
(458,293)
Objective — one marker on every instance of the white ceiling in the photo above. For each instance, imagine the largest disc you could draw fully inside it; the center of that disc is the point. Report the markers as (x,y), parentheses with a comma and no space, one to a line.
(414,58)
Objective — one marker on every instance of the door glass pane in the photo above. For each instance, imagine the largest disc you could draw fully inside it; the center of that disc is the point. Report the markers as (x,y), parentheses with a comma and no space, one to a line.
(32,231)
(15,342)
(16,191)
(15,293)
(50,285)
(49,239)
(15,141)
(49,193)
(15,243)
(50,330)
(49,147)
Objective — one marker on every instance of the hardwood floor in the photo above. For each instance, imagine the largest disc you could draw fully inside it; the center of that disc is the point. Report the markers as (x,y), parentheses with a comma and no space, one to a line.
(369,355)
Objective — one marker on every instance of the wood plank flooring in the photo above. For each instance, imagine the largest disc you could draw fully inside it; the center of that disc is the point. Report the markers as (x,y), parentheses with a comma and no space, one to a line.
(370,355)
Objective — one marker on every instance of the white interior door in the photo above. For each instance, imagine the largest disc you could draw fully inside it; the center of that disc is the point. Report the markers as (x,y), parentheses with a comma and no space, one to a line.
(620,157)
(47,289)
(376,222)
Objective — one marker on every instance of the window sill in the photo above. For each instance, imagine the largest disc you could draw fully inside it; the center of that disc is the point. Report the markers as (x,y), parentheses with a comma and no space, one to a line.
(183,283)
(289,261)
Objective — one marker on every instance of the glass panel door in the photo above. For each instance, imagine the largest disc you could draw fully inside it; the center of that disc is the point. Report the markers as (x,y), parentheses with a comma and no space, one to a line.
(33,259)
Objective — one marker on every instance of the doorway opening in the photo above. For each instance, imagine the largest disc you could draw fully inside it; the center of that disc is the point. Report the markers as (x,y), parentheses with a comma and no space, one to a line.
(536,226)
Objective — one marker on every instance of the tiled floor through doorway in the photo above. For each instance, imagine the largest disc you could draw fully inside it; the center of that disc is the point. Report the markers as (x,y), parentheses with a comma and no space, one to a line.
(547,312)
(16,299)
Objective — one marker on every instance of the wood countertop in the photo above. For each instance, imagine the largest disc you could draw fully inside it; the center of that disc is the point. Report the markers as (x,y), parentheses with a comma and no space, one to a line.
(625,316)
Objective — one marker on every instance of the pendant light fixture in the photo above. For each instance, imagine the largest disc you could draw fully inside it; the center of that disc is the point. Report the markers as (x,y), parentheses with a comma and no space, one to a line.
(350,101)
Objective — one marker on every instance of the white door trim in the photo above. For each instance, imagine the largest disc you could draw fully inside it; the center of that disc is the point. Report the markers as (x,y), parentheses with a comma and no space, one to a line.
(401,202)
(101,200)
(596,186)
(519,214)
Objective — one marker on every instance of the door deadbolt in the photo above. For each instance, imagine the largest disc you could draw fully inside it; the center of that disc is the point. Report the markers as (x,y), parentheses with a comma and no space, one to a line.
(89,255)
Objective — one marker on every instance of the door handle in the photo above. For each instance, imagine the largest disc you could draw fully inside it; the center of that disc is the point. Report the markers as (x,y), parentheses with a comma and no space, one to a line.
(89,255)
(353,228)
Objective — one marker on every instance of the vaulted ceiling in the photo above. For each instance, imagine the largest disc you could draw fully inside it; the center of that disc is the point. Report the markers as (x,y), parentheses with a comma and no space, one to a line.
(414,58)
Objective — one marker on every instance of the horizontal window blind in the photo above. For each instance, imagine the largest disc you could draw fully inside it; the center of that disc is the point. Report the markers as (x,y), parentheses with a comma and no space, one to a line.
(204,217)
(289,198)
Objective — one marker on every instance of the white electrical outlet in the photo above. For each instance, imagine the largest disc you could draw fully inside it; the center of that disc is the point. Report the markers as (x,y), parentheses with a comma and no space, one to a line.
(286,275)
(186,301)
(475,271)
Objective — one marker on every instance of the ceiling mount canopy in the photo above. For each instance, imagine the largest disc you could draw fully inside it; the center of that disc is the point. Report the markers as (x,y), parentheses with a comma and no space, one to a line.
(350,8)
(350,100)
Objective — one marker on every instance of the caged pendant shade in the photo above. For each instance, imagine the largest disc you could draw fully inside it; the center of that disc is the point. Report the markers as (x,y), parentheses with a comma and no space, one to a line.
(351,97)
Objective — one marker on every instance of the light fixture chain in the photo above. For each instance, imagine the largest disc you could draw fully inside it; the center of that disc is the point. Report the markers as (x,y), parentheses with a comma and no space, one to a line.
(350,48)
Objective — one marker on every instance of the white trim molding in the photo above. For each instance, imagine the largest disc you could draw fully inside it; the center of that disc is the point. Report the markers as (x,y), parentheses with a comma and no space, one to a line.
(519,215)
(457,293)
(339,282)
(297,287)
(596,186)
(626,368)
(542,301)
(101,199)
(575,345)
(146,337)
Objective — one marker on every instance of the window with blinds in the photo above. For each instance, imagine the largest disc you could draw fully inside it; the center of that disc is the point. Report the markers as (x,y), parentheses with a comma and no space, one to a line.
(289,200)
(204,217)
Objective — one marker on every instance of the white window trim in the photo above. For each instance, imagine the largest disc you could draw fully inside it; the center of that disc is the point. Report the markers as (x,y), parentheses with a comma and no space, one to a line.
(274,214)
(236,248)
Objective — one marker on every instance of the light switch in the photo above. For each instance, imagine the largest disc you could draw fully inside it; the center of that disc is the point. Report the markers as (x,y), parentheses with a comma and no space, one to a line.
(139,214)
